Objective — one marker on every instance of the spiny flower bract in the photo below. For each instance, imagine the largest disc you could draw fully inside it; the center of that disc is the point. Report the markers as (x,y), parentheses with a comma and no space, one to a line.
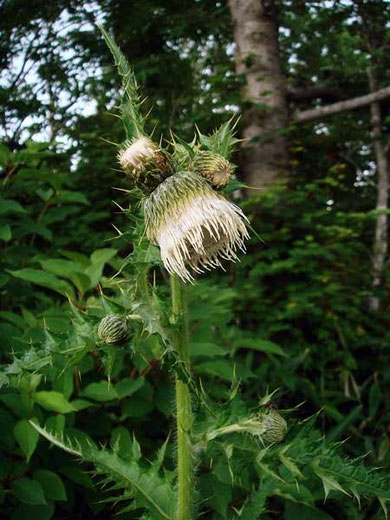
(193,225)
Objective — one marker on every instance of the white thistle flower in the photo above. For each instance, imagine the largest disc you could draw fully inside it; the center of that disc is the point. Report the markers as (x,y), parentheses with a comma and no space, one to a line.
(194,225)
(134,156)
(145,163)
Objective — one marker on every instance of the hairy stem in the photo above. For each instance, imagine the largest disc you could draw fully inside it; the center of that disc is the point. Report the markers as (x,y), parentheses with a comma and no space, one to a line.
(183,400)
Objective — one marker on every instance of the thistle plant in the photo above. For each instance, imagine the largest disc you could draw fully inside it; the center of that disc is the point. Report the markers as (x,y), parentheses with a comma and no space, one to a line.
(260,453)
(194,226)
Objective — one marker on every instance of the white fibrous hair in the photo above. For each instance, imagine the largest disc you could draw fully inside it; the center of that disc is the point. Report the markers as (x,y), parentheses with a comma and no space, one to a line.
(136,154)
(193,225)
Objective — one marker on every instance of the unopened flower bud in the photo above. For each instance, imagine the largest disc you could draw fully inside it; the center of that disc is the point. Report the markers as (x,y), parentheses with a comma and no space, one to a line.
(213,167)
(145,163)
(194,225)
(113,329)
(275,427)
(269,427)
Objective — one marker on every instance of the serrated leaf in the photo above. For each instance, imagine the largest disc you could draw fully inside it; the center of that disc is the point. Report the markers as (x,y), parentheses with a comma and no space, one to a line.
(130,107)
(328,481)
(140,484)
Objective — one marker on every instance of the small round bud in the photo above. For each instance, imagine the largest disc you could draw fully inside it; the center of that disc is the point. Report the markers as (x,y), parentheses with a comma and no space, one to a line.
(213,167)
(145,163)
(113,329)
(275,427)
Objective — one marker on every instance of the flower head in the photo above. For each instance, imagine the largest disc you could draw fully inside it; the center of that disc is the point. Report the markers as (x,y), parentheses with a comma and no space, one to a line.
(145,163)
(194,225)
(213,167)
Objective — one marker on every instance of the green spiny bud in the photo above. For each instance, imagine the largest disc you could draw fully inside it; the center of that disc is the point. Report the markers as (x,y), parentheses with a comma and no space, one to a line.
(213,167)
(275,427)
(269,427)
(113,329)
(145,163)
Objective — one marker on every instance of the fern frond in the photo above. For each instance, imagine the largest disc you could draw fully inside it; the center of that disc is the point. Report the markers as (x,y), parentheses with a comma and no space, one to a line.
(140,485)
(131,102)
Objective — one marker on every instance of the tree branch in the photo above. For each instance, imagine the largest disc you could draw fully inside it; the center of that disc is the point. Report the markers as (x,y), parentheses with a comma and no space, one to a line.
(341,106)
(306,93)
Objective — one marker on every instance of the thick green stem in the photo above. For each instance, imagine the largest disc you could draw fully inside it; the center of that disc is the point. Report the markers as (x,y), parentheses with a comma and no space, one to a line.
(183,401)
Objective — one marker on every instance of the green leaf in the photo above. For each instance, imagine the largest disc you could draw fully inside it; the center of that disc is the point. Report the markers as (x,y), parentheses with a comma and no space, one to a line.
(101,391)
(137,407)
(346,422)
(54,401)
(142,485)
(59,266)
(8,207)
(261,345)
(329,482)
(27,437)
(374,399)
(5,233)
(30,227)
(44,279)
(5,154)
(128,387)
(225,369)
(204,349)
(28,491)
(300,512)
(41,512)
(72,197)
(98,259)
(74,473)
(51,483)
(101,256)
(121,442)
(68,269)
(81,404)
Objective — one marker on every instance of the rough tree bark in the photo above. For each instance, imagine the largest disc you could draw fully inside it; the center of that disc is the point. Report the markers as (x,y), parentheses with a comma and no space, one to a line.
(265,116)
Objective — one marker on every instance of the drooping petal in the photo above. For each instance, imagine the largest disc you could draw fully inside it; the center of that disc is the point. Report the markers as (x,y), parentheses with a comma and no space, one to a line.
(193,225)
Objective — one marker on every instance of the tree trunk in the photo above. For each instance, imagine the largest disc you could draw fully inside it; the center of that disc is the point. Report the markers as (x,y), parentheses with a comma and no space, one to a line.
(382,201)
(265,115)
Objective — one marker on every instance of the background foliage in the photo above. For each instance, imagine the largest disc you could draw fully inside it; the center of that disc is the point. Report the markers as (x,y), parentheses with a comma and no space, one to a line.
(292,315)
